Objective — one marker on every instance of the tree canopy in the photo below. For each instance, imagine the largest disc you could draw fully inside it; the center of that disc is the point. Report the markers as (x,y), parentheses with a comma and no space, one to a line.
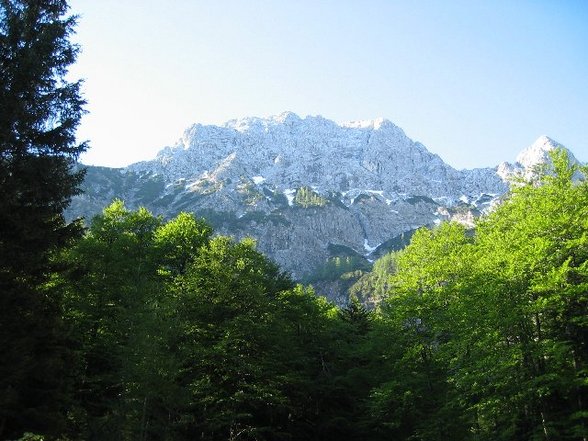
(499,318)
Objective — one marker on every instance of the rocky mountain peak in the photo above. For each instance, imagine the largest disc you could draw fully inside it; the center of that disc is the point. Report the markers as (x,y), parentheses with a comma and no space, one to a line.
(530,158)
(537,153)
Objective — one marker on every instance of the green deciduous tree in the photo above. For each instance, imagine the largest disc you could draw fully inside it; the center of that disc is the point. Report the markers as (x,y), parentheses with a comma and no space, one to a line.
(111,299)
(491,328)
(415,399)
(532,261)
(119,305)
(228,340)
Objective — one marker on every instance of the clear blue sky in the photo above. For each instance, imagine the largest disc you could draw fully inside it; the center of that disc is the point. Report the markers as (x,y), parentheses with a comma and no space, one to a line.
(475,81)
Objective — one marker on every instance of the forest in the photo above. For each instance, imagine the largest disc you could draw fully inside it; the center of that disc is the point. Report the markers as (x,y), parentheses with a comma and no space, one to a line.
(135,327)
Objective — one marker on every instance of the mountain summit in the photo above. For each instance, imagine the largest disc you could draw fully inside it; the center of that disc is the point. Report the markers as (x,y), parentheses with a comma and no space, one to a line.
(287,151)
(527,161)
(537,153)
(311,191)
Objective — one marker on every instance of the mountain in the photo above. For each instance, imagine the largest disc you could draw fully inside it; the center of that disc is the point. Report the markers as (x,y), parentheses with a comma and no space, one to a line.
(319,197)
(530,160)
(286,152)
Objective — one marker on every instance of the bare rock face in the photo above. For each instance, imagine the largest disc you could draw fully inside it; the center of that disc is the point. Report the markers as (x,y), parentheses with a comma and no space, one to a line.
(308,190)
(286,152)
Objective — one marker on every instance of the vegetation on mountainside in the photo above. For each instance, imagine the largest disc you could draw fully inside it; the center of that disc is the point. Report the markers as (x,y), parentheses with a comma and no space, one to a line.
(306,197)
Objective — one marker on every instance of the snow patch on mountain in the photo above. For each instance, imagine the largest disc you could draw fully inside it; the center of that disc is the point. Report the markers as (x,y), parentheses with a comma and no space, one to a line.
(367,247)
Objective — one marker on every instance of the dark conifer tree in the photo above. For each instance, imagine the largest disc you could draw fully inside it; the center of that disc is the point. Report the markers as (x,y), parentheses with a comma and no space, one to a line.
(39,113)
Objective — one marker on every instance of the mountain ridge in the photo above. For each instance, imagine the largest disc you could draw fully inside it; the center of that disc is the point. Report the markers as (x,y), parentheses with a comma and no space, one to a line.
(308,190)
(285,147)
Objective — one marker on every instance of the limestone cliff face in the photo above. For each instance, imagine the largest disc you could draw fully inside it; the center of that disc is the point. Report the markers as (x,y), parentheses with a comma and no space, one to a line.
(307,189)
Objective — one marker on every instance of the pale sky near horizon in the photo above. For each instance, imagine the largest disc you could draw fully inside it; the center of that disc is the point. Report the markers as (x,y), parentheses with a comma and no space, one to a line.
(474,81)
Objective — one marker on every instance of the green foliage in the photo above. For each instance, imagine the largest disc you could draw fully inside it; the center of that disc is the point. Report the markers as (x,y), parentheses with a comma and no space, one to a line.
(178,241)
(249,191)
(336,266)
(371,287)
(356,314)
(341,251)
(31,437)
(306,197)
(397,243)
(116,310)
(39,113)
(413,401)
(228,338)
(179,335)
(492,326)
(532,262)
